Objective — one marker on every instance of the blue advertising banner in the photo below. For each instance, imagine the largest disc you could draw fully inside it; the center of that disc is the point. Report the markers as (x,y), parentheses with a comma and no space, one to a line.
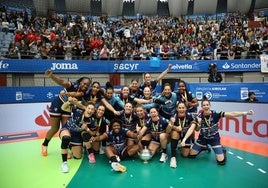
(229,91)
(214,91)
(72,66)
(28,94)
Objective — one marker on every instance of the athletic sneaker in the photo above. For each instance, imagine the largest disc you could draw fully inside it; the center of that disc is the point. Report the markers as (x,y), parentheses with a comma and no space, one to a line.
(44,150)
(173,162)
(163,158)
(91,158)
(118,167)
(64,167)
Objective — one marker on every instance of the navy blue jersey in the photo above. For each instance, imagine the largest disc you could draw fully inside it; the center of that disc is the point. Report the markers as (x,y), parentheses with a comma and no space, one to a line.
(55,107)
(74,124)
(118,140)
(152,87)
(210,124)
(184,122)
(129,120)
(142,121)
(101,125)
(73,88)
(94,98)
(156,128)
(188,98)
(133,93)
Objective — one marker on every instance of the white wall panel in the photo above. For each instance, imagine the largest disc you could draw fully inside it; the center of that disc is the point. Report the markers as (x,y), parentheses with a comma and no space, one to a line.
(177,7)
(146,7)
(234,6)
(112,7)
(205,6)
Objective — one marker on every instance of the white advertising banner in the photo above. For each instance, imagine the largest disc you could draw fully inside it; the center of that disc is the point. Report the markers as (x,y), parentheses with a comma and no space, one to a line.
(18,118)
(250,127)
(264,63)
(29,117)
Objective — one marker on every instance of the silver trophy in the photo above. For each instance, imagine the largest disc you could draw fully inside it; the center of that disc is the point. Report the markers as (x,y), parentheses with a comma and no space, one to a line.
(145,155)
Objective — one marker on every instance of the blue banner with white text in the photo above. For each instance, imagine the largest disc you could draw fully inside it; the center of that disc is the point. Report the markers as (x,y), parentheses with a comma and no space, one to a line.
(229,91)
(28,94)
(213,91)
(75,66)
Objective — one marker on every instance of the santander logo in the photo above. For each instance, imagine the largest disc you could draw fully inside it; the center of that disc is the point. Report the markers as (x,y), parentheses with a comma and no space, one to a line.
(43,119)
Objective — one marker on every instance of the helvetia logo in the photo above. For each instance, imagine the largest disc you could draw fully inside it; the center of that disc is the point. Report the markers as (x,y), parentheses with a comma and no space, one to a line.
(43,119)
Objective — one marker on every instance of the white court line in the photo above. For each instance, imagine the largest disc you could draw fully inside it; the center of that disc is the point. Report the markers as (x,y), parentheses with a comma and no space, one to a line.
(249,163)
(261,170)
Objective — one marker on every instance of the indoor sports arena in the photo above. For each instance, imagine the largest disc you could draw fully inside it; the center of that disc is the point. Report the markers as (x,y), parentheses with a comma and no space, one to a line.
(121,93)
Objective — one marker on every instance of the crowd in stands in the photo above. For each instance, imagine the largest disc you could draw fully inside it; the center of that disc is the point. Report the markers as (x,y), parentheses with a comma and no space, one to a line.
(80,37)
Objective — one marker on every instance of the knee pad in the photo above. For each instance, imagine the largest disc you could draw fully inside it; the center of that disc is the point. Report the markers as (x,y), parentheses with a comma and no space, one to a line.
(223,162)
(145,143)
(85,136)
(65,141)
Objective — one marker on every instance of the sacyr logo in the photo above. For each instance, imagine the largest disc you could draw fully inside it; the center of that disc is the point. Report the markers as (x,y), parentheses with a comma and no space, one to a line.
(43,119)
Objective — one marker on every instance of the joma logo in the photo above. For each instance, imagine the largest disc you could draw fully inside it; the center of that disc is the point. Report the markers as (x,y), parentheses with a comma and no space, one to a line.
(64,66)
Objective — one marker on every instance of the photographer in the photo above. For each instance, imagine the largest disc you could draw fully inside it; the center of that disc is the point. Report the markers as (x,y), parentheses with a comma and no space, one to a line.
(251,97)
(214,75)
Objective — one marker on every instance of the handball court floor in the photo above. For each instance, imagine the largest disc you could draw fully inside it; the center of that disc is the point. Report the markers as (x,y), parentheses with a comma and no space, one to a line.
(21,165)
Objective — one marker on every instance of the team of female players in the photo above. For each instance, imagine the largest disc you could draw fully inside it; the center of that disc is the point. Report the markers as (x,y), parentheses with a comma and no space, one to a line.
(122,124)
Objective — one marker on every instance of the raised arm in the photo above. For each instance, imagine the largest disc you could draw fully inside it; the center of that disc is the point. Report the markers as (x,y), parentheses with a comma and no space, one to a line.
(237,113)
(164,73)
(57,80)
